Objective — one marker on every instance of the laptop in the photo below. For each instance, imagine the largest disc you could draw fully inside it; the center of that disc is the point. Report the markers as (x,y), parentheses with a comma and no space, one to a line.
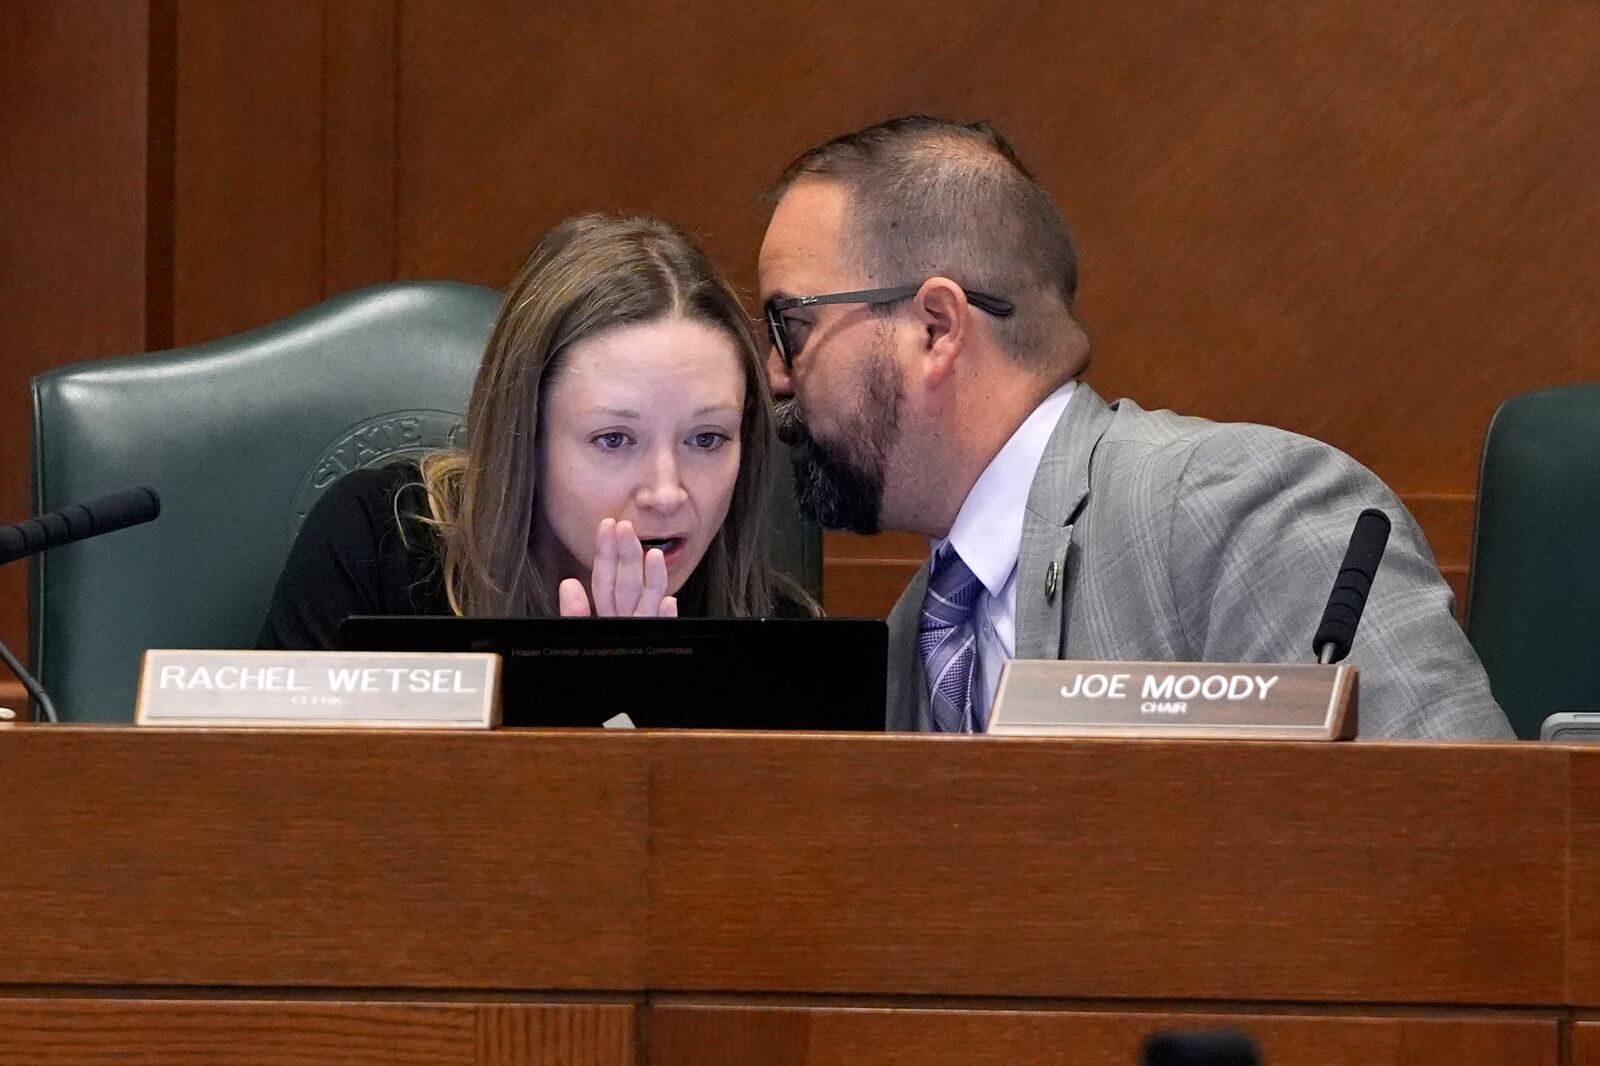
(663,673)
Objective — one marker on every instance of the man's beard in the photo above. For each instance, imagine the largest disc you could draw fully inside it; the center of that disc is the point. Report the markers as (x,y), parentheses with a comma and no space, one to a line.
(839,484)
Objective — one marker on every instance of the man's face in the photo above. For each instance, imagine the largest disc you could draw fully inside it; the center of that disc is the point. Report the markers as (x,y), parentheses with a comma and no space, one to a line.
(839,404)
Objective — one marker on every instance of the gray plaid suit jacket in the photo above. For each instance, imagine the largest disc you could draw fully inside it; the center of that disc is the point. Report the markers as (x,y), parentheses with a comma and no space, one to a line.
(1181,539)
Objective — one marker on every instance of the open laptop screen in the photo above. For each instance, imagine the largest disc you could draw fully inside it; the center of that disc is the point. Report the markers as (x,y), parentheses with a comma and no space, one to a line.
(674,673)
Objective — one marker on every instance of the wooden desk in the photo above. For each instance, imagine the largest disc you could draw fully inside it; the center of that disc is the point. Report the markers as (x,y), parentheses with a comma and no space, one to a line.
(799,900)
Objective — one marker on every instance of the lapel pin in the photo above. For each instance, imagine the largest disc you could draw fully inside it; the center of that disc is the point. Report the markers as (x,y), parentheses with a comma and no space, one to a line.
(1050,576)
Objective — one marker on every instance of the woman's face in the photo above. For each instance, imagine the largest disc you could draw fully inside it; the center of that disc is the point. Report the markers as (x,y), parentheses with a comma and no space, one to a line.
(640,423)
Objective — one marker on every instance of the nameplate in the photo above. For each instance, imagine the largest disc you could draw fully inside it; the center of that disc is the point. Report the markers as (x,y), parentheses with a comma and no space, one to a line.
(410,690)
(1240,701)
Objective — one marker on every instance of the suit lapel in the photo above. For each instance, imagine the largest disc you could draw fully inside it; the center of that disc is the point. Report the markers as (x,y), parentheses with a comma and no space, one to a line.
(1059,490)
(907,690)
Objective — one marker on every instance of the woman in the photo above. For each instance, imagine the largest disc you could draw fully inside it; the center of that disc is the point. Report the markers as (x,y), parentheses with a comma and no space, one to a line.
(619,431)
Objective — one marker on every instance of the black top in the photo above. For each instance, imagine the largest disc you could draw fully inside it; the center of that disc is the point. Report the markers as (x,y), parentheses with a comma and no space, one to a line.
(350,558)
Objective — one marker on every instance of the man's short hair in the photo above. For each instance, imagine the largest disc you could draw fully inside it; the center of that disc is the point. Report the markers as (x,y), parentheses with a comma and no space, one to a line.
(930,196)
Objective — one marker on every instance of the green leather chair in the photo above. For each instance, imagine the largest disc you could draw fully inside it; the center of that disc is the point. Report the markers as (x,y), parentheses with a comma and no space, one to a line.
(1533,609)
(240,436)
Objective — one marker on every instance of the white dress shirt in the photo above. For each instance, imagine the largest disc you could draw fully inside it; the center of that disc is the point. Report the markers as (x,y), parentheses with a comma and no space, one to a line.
(987,534)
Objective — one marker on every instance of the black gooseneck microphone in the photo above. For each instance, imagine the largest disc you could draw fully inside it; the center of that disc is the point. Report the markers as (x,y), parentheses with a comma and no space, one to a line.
(1349,596)
(105,514)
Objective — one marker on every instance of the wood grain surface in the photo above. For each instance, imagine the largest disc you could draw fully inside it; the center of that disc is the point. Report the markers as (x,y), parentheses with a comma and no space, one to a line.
(249,216)
(359,135)
(383,860)
(1585,1044)
(73,134)
(686,1035)
(568,1035)
(800,864)
(915,899)
(1583,897)
(864,576)
(913,865)
(64,1032)
(15,698)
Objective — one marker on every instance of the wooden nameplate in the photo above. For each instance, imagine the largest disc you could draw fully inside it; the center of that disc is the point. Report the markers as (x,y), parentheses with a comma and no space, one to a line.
(1239,701)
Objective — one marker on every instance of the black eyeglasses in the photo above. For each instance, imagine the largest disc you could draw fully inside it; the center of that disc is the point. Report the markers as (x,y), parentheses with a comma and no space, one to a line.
(778,330)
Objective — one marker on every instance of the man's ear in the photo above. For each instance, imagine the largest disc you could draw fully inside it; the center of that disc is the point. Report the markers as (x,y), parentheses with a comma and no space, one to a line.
(945,319)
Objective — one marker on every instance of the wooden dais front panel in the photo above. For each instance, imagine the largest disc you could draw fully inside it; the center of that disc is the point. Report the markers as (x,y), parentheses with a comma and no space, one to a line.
(689,1035)
(1583,895)
(379,859)
(798,865)
(69,1032)
(1157,870)
(1585,1044)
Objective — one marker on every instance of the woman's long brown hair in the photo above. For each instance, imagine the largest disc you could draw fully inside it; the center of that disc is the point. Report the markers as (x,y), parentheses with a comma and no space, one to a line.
(588,274)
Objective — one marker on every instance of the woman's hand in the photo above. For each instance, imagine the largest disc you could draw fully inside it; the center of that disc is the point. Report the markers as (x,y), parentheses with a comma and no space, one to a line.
(627,580)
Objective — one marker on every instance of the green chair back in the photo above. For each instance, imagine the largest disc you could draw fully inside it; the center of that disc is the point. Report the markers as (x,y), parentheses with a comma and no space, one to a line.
(1535,591)
(240,436)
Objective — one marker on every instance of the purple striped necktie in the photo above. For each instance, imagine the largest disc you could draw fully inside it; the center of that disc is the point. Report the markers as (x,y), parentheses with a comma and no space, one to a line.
(948,641)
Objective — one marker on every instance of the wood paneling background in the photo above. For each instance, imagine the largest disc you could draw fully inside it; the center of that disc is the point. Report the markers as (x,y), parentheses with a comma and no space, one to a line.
(1366,223)
(74,215)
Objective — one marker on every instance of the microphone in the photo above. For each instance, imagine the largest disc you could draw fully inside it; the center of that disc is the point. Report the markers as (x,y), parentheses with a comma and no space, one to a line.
(1349,596)
(106,514)
(1221,1047)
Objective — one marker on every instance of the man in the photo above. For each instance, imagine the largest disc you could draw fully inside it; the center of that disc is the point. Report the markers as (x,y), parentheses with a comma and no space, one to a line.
(918,286)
